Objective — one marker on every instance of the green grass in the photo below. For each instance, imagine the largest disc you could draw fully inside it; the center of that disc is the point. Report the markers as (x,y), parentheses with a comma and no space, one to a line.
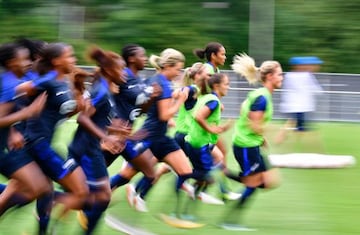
(309,201)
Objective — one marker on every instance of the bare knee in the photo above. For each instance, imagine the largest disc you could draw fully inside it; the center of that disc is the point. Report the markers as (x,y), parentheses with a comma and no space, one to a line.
(103,195)
(272,178)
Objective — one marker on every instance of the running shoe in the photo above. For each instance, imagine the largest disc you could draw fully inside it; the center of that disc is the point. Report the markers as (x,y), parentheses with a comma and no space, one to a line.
(209,199)
(189,189)
(231,196)
(140,204)
(130,194)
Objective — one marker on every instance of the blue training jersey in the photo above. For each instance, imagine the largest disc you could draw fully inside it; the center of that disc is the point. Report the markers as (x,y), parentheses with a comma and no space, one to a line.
(191,100)
(8,83)
(131,96)
(60,103)
(153,125)
(22,101)
(102,101)
(259,104)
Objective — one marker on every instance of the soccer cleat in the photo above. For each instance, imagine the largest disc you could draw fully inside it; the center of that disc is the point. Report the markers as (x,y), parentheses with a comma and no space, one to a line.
(140,204)
(209,199)
(231,196)
(82,219)
(235,227)
(130,194)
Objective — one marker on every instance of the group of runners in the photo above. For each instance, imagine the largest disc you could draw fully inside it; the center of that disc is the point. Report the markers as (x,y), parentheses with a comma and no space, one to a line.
(40,86)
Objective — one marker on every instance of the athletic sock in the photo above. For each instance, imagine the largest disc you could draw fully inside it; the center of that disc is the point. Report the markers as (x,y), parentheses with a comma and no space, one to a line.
(245,196)
(43,209)
(182,178)
(179,182)
(146,185)
(94,215)
(117,181)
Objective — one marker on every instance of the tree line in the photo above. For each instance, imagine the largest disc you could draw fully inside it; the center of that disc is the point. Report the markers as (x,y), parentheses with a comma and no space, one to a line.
(327,29)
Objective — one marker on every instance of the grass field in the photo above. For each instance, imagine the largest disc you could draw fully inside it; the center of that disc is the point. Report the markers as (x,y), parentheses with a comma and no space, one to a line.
(309,201)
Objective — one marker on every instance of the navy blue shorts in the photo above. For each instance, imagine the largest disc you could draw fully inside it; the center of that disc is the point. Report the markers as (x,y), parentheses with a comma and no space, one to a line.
(201,158)
(162,146)
(132,150)
(250,160)
(180,139)
(51,163)
(94,168)
(14,160)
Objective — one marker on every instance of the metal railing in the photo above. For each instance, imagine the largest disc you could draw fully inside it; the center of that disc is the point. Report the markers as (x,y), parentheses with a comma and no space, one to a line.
(339,101)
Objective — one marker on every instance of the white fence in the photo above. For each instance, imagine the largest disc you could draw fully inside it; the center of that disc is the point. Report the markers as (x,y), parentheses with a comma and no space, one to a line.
(340,100)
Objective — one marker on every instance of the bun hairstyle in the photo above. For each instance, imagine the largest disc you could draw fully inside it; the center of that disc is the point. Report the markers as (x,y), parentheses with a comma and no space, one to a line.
(169,57)
(245,66)
(211,48)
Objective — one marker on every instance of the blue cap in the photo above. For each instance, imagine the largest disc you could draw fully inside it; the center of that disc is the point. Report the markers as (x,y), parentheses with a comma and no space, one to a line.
(300,60)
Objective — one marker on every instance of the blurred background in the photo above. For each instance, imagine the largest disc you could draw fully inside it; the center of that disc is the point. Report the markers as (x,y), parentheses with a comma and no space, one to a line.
(312,202)
(266,29)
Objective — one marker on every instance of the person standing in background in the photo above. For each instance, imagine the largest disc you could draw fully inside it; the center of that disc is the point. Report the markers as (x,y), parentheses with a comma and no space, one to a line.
(298,97)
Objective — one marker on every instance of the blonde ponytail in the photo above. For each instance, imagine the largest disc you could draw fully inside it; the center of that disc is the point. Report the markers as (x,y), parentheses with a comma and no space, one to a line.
(190,72)
(154,61)
(168,56)
(245,66)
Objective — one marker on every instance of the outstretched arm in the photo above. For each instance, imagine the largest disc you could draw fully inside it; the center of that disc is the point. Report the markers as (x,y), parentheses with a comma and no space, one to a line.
(30,111)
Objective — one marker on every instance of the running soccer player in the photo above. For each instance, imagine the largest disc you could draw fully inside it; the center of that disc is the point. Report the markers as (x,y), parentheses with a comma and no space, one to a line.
(15,163)
(92,131)
(205,127)
(169,65)
(57,60)
(131,102)
(215,55)
(193,79)
(134,98)
(249,143)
